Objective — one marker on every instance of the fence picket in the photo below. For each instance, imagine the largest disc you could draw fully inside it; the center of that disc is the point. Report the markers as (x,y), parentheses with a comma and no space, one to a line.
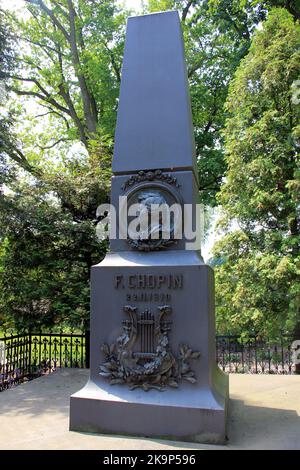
(29,355)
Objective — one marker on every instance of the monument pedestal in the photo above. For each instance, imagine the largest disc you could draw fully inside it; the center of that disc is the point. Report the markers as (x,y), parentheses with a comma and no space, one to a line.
(153,357)
(198,416)
(196,409)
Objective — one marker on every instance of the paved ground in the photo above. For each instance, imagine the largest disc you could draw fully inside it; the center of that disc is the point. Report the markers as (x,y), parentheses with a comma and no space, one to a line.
(264,414)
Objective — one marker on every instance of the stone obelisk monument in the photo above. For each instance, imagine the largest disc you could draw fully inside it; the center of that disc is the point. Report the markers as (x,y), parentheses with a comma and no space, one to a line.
(153,365)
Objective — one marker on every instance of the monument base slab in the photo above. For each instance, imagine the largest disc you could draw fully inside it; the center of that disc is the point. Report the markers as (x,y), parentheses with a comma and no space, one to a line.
(197,416)
(196,409)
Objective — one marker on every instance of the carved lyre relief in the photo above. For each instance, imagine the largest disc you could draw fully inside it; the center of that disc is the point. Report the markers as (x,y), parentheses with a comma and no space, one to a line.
(141,356)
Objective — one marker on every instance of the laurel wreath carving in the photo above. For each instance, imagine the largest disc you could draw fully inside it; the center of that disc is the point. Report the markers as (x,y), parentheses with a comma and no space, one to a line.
(150,244)
(163,369)
(157,175)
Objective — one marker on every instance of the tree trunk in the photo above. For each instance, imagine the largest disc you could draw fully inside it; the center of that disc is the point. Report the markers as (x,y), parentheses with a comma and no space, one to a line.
(89,104)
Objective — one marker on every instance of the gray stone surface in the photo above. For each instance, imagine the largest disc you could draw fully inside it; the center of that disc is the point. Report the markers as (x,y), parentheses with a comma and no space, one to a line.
(264,414)
(154,122)
(156,308)
(191,412)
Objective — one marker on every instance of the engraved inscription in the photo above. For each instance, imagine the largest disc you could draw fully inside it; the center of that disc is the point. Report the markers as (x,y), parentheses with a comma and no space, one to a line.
(149,281)
(148,297)
(148,287)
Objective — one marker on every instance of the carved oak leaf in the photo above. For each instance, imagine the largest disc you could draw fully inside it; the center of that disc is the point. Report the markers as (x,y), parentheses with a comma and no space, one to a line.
(105,349)
(116,381)
(105,374)
(195,355)
(173,383)
(182,349)
(190,379)
(111,366)
(190,373)
(157,379)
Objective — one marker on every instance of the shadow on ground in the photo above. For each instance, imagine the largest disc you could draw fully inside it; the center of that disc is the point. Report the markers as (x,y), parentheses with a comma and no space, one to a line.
(41,409)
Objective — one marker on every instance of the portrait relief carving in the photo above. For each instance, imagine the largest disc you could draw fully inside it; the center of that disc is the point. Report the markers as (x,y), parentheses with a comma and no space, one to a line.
(154,216)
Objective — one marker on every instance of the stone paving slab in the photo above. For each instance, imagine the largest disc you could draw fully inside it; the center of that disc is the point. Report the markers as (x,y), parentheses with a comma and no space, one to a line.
(264,413)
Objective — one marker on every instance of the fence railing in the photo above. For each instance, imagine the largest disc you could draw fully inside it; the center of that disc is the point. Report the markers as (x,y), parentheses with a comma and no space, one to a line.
(254,355)
(25,356)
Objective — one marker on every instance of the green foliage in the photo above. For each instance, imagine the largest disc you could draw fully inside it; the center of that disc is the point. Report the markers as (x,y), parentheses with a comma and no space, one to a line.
(292,6)
(47,226)
(6,61)
(69,62)
(257,280)
(217,35)
(56,145)
(45,259)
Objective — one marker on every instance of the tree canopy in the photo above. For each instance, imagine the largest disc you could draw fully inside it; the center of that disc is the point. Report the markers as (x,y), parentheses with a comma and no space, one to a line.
(61,66)
(258,278)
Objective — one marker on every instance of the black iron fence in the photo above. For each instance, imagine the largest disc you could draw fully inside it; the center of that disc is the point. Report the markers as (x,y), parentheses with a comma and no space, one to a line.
(25,356)
(255,355)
